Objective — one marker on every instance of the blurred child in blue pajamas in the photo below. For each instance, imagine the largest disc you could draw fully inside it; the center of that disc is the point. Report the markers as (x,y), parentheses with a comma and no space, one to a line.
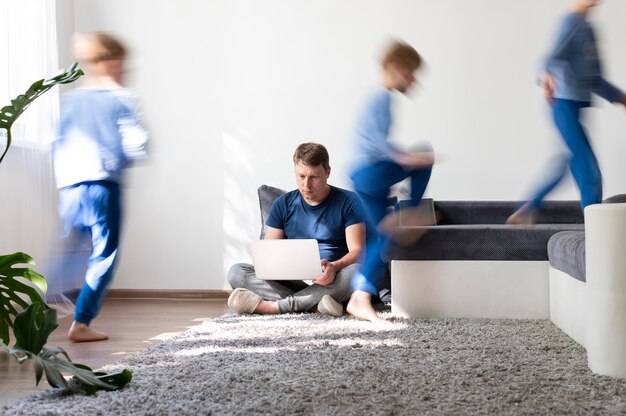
(377,165)
(572,71)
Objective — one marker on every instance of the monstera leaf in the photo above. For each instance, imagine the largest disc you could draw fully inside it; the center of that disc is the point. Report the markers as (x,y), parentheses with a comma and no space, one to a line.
(14,292)
(10,113)
(32,328)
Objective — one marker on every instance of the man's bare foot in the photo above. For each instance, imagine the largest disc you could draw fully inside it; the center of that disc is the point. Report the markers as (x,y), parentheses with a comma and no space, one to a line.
(360,306)
(525,215)
(80,332)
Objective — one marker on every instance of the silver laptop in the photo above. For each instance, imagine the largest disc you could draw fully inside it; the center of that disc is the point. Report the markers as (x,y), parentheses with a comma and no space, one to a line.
(286,259)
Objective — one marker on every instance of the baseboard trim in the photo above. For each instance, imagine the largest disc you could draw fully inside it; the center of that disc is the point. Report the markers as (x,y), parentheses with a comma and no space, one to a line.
(167,294)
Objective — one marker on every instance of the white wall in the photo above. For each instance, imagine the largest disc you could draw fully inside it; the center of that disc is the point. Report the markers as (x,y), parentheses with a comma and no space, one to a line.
(231,87)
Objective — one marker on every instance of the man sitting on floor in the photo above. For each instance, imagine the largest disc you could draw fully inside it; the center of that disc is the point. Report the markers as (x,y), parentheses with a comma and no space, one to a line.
(331,215)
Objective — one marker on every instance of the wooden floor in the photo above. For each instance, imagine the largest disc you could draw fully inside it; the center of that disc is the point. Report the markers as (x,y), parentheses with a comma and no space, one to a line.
(132,324)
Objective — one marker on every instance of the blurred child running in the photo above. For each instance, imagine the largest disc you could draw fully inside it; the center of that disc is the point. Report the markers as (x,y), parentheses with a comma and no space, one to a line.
(99,135)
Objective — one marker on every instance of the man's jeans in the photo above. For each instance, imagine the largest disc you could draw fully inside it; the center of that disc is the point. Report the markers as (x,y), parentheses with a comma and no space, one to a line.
(292,295)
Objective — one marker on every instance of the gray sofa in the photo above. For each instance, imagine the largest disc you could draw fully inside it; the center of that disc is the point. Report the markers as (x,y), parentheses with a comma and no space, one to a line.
(472,264)
(566,249)
(476,230)
(587,284)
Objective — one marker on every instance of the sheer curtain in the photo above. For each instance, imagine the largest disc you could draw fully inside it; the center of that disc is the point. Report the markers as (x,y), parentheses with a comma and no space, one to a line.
(28,52)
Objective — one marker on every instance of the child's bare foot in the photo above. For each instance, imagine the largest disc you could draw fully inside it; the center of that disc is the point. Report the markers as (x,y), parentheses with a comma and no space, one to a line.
(80,332)
(405,227)
(388,224)
(525,215)
(406,236)
(360,306)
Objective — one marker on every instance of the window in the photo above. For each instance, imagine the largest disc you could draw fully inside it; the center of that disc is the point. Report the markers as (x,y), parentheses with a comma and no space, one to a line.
(28,52)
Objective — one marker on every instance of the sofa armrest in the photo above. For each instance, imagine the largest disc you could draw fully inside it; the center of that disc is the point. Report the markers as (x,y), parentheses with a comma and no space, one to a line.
(605,247)
(605,226)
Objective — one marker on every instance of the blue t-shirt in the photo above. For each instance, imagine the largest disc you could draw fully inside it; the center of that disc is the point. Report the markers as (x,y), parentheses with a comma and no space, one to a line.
(326,222)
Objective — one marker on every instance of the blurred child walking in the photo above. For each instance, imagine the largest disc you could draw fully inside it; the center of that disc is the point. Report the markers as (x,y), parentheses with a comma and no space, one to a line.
(99,135)
(572,71)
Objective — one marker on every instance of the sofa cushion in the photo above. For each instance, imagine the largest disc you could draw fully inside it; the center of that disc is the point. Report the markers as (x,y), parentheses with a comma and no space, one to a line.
(615,199)
(481,242)
(566,251)
(497,212)
(267,196)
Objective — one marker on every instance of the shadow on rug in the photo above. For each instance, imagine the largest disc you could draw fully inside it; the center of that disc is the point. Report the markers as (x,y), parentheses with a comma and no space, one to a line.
(309,364)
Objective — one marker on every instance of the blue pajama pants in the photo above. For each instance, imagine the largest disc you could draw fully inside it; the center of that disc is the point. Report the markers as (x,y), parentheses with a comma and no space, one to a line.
(94,206)
(582,162)
(372,184)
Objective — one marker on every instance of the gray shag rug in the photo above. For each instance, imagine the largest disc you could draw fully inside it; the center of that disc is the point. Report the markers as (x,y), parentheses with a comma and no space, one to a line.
(308,364)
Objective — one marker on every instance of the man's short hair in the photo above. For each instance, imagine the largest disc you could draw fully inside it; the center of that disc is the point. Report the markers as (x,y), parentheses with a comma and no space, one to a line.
(312,154)
(403,54)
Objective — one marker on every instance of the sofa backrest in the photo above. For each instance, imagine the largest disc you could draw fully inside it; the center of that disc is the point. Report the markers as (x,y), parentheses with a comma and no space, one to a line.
(497,212)
(267,196)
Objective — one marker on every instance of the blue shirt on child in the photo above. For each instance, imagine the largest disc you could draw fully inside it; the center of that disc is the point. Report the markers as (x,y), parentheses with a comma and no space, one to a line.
(575,64)
(371,136)
(99,134)
(326,222)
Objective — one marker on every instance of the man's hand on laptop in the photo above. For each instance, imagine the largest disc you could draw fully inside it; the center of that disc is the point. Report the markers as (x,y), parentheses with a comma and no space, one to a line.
(328,274)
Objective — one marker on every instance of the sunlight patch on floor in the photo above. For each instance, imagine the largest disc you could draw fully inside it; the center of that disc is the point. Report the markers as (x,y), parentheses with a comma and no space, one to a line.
(202,319)
(164,335)
(298,346)
(354,342)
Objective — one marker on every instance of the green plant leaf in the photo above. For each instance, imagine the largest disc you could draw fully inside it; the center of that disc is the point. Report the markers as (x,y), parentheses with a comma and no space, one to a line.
(14,293)
(38,365)
(4,331)
(94,381)
(22,355)
(83,376)
(54,373)
(10,113)
(33,326)
(119,379)
(19,354)
(50,352)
